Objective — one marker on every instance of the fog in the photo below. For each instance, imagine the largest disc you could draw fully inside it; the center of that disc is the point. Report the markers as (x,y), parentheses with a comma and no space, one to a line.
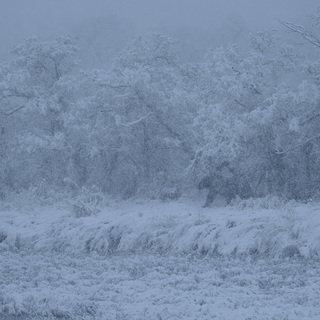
(159,159)
(215,21)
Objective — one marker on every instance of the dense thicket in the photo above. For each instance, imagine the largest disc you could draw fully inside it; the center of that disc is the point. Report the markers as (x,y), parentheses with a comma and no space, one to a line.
(150,124)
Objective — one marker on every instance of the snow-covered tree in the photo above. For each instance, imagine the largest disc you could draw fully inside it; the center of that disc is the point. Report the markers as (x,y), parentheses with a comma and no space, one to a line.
(35,93)
(261,126)
(140,118)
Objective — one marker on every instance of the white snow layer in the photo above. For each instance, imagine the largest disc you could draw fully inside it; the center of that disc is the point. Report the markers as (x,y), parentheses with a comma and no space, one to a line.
(157,260)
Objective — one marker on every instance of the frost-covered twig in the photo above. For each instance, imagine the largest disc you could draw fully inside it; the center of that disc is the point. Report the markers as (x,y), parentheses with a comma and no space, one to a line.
(132,123)
(307,35)
(13,111)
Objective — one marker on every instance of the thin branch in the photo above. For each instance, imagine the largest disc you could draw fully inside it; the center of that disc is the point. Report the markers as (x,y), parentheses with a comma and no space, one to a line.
(106,85)
(239,103)
(298,145)
(173,133)
(307,35)
(310,118)
(129,124)
(13,111)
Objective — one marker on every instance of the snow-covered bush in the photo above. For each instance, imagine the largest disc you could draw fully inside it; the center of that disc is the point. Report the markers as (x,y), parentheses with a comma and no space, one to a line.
(268,202)
(169,194)
(87,203)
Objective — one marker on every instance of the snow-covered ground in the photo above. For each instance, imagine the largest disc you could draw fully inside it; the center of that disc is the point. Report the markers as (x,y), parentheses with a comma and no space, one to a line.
(161,260)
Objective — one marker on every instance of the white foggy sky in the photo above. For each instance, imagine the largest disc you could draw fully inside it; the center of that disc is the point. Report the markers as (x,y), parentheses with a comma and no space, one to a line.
(23,18)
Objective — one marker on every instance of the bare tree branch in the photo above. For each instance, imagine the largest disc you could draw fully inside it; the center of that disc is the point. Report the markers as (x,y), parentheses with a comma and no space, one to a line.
(13,111)
(298,145)
(129,124)
(305,34)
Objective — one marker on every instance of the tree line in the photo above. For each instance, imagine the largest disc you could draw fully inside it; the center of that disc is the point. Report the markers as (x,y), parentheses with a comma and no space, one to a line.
(151,123)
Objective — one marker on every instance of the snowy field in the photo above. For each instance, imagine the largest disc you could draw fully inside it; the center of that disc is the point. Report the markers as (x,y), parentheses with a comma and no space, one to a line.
(155,260)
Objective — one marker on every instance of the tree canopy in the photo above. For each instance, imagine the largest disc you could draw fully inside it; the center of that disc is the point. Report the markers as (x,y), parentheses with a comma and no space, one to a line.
(151,122)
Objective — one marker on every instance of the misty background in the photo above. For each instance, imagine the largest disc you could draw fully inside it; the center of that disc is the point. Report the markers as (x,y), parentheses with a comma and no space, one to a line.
(198,24)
